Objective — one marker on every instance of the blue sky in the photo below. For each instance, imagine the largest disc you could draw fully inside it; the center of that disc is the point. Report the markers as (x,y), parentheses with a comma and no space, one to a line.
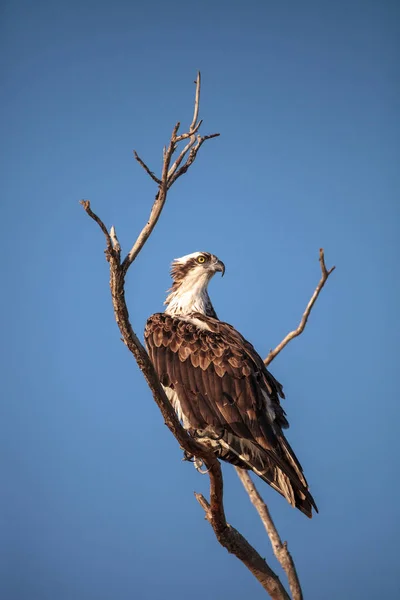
(97,503)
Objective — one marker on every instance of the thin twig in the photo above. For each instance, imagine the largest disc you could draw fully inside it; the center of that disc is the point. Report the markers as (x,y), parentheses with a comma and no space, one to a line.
(157,207)
(86,206)
(280,548)
(325,274)
(192,156)
(196,102)
(146,168)
(180,158)
(184,136)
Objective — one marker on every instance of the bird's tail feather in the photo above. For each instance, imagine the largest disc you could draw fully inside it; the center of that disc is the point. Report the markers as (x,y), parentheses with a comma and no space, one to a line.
(283,474)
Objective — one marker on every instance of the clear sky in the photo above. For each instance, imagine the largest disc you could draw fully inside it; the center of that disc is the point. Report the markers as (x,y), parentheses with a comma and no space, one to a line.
(96,502)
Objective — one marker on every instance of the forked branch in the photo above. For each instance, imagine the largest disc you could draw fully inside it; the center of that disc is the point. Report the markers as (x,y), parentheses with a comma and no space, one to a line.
(214,511)
(170,173)
(235,543)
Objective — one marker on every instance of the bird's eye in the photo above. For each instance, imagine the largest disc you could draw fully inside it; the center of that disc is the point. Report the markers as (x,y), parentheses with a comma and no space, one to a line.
(201,259)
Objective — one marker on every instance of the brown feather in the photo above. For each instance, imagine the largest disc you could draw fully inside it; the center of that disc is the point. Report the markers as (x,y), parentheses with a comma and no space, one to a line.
(184,352)
(222,386)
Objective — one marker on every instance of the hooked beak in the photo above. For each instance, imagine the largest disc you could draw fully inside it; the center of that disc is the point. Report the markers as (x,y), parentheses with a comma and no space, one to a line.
(219,266)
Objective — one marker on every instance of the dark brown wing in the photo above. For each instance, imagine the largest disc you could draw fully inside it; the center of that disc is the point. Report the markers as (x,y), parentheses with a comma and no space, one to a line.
(222,391)
(273,387)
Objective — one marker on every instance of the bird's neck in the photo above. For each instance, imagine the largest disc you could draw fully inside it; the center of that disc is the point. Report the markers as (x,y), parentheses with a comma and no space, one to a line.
(189,297)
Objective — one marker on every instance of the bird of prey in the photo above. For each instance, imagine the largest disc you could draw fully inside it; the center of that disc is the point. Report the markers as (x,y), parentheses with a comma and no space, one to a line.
(218,384)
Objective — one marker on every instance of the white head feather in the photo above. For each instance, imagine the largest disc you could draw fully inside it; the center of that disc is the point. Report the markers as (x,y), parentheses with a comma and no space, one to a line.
(191,277)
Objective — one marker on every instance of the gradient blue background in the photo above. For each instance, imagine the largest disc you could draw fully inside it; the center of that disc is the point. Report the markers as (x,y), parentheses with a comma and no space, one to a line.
(96,503)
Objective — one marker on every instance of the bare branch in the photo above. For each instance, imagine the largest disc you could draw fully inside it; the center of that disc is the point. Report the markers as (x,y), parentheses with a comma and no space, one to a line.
(130,339)
(325,274)
(192,156)
(157,207)
(280,548)
(169,173)
(180,157)
(191,132)
(196,103)
(92,215)
(114,240)
(193,129)
(236,544)
(146,168)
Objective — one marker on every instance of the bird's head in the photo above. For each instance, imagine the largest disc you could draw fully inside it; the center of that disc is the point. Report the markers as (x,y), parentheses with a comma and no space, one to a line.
(191,274)
(195,266)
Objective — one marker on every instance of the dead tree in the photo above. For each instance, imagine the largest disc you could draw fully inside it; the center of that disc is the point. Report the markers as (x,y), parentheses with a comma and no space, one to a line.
(175,165)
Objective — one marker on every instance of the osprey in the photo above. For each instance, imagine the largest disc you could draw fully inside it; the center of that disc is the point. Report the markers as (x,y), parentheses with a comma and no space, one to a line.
(218,384)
